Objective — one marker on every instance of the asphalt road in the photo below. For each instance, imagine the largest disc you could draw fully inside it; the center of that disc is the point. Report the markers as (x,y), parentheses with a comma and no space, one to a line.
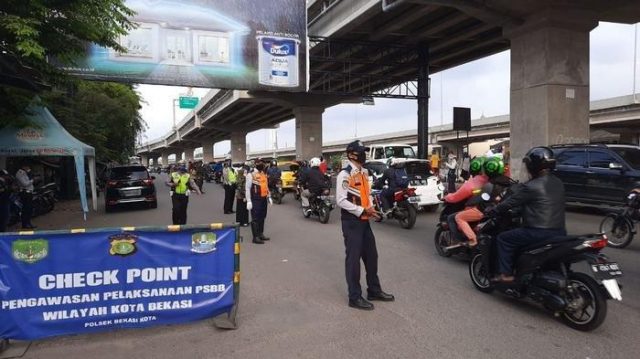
(293,300)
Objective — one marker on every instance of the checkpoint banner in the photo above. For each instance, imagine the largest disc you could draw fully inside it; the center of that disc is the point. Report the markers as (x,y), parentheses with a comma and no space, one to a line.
(238,44)
(83,281)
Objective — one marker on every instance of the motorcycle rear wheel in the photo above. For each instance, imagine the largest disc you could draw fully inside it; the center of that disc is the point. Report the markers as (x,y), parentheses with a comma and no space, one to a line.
(618,229)
(480,276)
(441,242)
(323,214)
(591,294)
(409,219)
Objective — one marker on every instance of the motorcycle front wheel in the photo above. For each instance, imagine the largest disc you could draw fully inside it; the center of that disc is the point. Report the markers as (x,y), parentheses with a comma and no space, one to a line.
(587,302)
(480,276)
(323,214)
(409,218)
(618,229)
(442,239)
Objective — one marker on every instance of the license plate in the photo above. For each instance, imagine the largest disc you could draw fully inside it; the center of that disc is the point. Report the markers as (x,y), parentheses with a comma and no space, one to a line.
(131,192)
(606,270)
(414,199)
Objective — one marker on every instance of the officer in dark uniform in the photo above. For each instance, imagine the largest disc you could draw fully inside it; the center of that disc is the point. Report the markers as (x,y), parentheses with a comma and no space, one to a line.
(354,198)
(181,184)
(258,197)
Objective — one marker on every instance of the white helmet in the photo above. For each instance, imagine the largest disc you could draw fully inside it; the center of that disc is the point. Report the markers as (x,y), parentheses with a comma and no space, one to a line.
(314,162)
(393,161)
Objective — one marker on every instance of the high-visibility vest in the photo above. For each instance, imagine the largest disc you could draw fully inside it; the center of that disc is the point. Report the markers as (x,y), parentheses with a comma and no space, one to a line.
(358,191)
(259,185)
(231,175)
(181,182)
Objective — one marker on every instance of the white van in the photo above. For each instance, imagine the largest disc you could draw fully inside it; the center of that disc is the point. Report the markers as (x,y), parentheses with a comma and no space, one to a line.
(383,152)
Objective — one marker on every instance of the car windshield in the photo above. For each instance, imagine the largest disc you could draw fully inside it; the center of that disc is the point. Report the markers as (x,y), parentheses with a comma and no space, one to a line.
(128,173)
(630,154)
(399,151)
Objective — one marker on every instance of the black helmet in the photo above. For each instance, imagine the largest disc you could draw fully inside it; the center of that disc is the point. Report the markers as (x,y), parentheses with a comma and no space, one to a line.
(539,159)
(357,151)
(274,163)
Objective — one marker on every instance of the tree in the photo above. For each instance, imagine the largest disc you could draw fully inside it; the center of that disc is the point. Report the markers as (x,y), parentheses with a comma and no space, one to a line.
(36,31)
(104,115)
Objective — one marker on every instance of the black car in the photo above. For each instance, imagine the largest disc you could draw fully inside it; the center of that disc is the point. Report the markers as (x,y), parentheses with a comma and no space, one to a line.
(129,184)
(598,174)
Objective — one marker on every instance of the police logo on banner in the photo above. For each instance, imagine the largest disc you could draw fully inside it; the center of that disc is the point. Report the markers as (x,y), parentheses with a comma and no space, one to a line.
(203,242)
(30,251)
(123,244)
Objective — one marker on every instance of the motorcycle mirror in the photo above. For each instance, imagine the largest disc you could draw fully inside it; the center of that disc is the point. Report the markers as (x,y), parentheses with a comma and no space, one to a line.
(485,197)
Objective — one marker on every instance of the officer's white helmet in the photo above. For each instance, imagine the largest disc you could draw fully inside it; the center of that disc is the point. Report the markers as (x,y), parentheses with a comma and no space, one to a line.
(314,162)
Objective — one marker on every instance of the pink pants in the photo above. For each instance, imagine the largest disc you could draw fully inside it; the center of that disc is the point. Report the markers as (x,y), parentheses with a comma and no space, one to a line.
(463,218)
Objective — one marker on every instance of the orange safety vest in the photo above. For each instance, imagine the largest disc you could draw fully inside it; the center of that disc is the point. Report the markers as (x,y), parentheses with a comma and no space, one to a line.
(259,186)
(359,192)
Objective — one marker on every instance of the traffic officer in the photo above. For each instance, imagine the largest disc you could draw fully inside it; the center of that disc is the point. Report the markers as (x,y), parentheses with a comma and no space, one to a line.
(181,184)
(354,198)
(257,195)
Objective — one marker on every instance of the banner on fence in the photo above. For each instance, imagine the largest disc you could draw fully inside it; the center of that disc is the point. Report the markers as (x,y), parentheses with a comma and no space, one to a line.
(70,282)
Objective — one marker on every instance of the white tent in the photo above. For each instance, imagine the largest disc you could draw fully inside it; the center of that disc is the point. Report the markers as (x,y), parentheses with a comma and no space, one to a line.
(46,137)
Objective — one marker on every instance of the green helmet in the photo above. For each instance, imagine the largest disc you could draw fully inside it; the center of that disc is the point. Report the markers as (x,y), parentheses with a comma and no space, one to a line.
(493,167)
(475,167)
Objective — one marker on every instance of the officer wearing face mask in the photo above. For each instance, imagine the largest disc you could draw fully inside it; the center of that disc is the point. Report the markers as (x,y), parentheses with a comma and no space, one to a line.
(24,177)
(354,198)
(258,197)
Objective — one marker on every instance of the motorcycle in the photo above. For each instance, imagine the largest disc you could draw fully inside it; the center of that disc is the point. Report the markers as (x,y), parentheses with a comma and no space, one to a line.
(44,199)
(620,228)
(320,206)
(404,206)
(275,188)
(544,274)
(217,177)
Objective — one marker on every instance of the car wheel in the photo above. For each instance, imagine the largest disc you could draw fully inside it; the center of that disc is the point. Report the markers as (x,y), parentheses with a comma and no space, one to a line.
(153,204)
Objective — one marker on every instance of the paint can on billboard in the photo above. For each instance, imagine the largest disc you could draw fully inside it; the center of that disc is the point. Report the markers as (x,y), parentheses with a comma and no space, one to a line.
(278,62)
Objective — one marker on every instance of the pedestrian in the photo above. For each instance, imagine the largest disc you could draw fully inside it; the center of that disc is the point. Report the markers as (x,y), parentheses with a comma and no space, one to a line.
(257,194)
(229,178)
(323,165)
(181,184)
(464,169)
(5,200)
(24,178)
(434,162)
(354,198)
(242,214)
(452,165)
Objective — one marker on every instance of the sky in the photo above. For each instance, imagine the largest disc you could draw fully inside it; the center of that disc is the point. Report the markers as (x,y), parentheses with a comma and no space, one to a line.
(482,85)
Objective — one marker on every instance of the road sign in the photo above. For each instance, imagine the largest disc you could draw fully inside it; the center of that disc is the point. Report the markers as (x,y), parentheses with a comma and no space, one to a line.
(188,102)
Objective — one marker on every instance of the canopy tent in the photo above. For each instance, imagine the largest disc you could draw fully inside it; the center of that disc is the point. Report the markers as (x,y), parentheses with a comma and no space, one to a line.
(46,137)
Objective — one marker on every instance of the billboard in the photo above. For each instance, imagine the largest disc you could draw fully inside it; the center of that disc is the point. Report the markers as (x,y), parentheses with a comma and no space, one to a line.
(239,44)
(84,281)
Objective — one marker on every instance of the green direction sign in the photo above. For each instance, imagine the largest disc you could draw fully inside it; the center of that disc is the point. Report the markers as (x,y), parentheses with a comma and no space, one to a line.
(188,102)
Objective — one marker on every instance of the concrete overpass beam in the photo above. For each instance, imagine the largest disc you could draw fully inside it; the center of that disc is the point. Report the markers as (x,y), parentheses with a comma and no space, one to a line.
(549,83)
(238,147)
(308,132)
(207,151)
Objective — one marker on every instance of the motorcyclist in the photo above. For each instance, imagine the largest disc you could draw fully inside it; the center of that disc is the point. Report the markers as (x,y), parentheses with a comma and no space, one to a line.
(466,191)
(473,212)
(543,210)
(396,179)
(274,174)
(313,183)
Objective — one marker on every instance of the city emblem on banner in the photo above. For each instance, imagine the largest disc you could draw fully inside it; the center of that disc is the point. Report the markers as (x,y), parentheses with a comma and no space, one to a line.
(203,242)
(123,244)
(30,251)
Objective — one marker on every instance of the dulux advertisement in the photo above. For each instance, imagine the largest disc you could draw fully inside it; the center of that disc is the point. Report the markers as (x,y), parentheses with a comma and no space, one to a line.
(61,282)
(239,44)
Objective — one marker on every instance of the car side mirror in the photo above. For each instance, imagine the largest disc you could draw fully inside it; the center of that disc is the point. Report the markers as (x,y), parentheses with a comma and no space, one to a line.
(616,166)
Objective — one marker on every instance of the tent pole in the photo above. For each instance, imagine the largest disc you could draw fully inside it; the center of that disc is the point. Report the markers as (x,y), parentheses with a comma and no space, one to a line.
(92,179)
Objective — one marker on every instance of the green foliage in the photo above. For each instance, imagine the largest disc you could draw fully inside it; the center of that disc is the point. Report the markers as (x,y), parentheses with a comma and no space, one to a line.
(104,115)
(34,32)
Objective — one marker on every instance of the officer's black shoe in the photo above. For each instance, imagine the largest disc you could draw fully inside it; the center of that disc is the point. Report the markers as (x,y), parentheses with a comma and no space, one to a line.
(381,296)
(360,303)
(257,240)
(262,236)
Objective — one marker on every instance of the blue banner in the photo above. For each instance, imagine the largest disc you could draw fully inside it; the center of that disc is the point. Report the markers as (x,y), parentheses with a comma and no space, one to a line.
(56,283)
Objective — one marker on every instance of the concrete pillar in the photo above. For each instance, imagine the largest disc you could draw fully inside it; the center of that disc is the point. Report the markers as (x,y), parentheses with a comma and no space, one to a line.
(308,132)
(549,82)
(207,151)
(188,154)
(165,158)
(144,159)
(238,147)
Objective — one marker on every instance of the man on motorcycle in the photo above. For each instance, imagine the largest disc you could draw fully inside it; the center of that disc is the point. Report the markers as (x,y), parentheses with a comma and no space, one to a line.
(313,183)
(478,180)
(543,206)
(396,179)
(274,174)
(491,169)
